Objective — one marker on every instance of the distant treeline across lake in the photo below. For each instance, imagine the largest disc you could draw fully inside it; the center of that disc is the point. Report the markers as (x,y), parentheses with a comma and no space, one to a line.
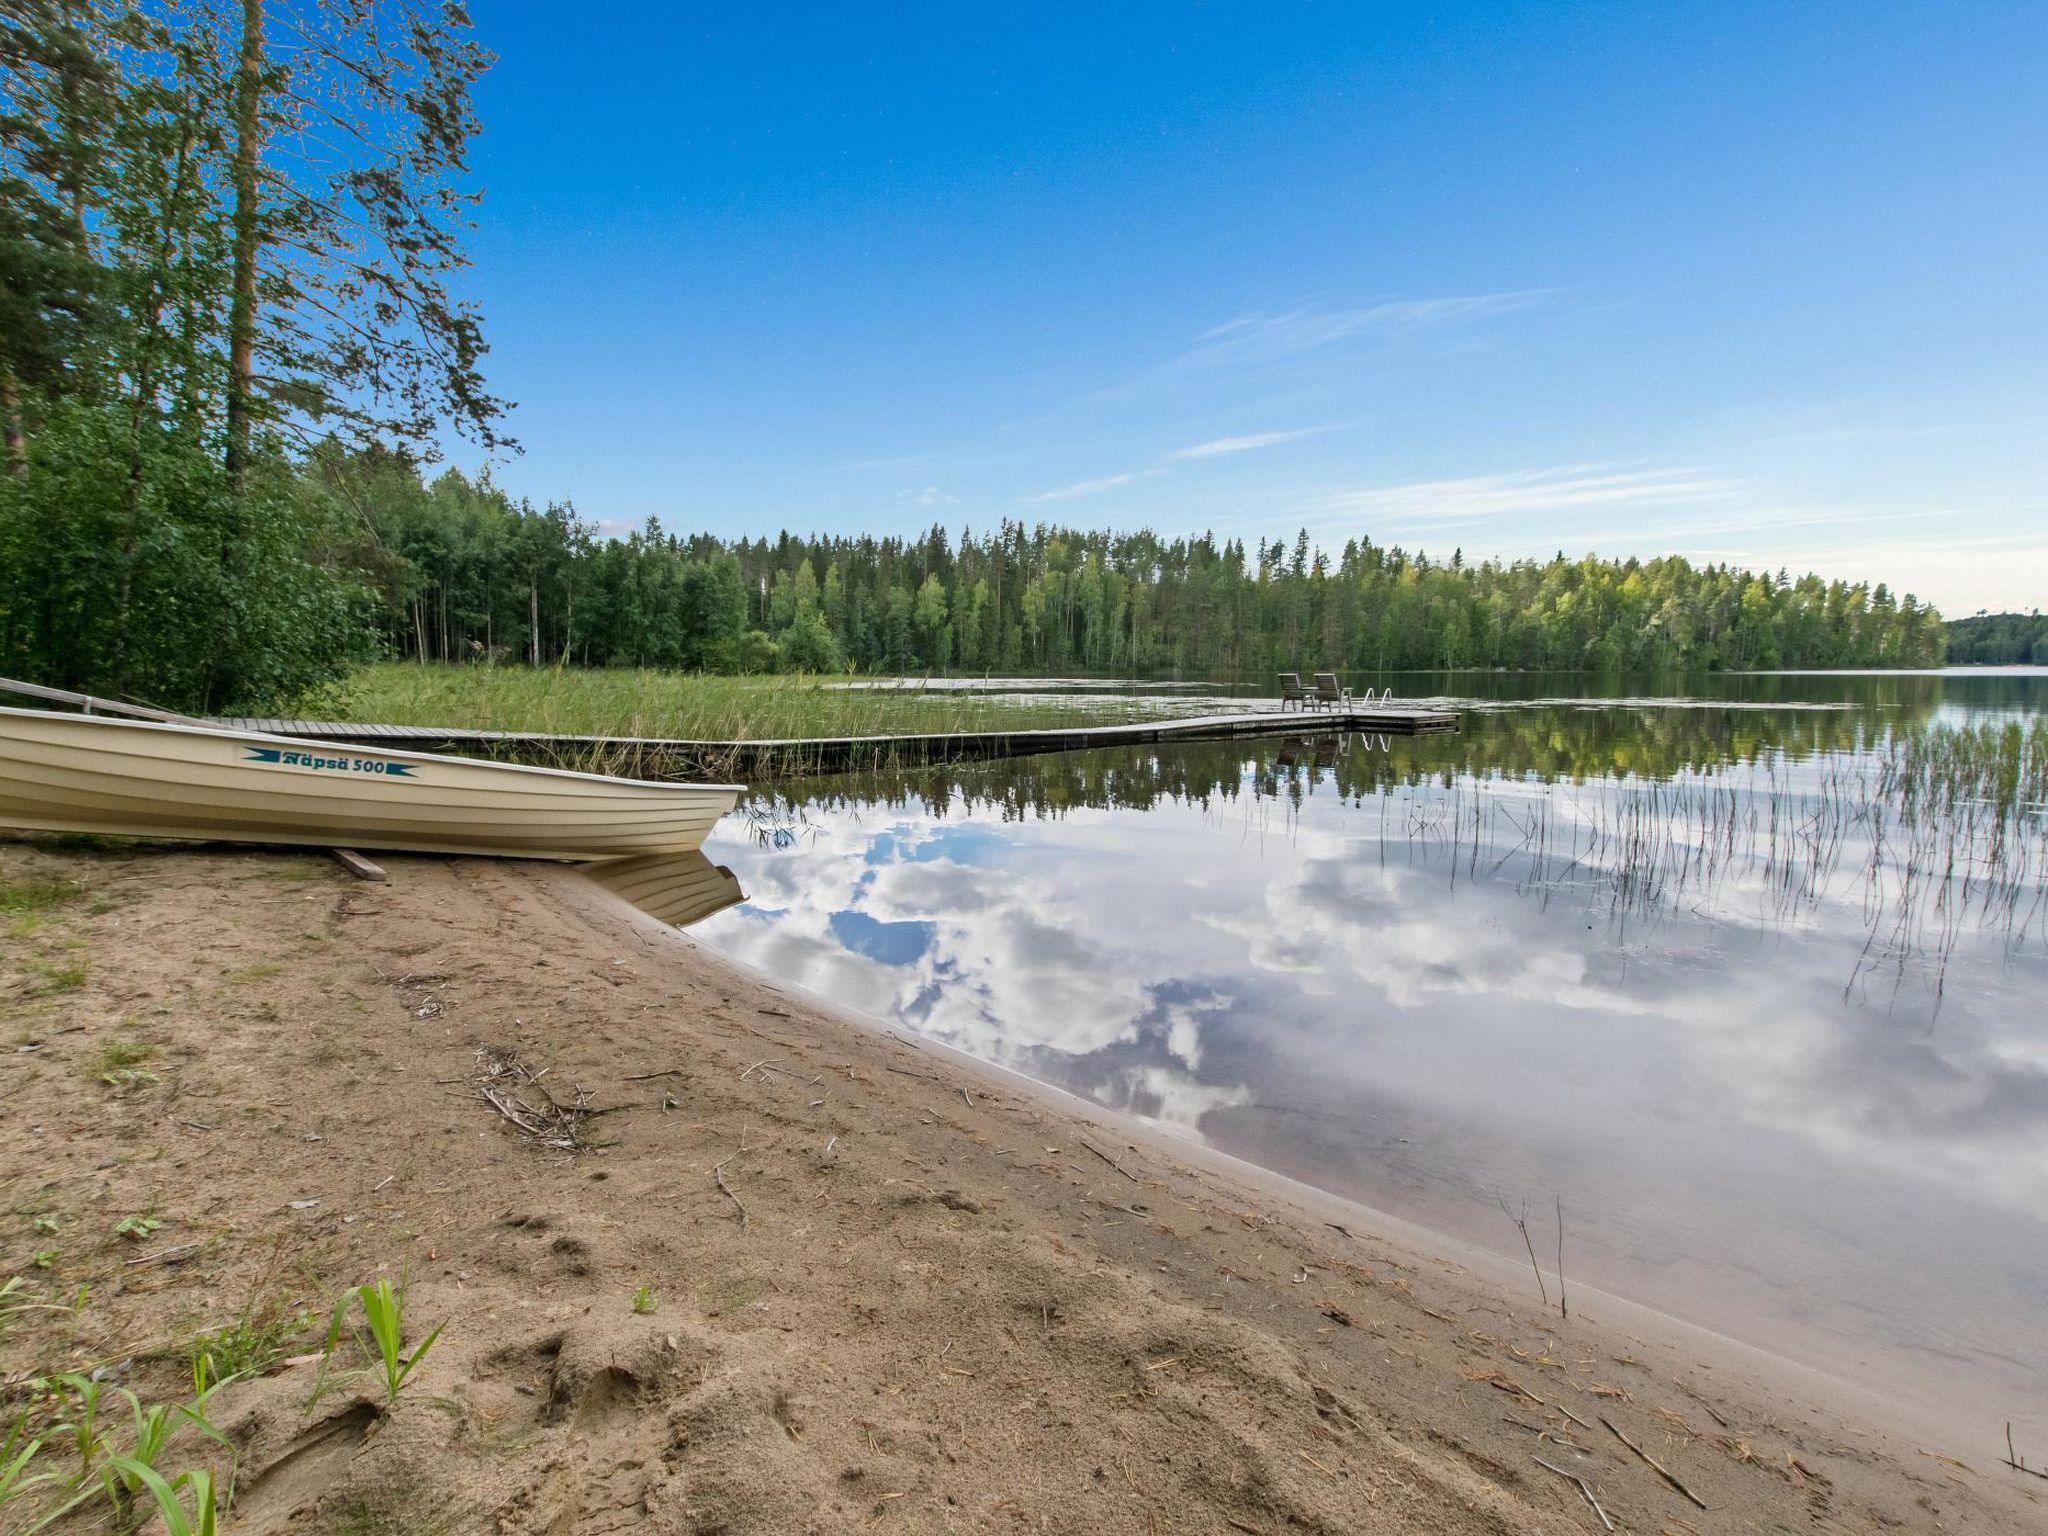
(452,569)
(474,571)
(1999,639)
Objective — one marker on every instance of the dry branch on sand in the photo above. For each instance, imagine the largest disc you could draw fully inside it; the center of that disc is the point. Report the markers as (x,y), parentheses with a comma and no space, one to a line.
(506,1082)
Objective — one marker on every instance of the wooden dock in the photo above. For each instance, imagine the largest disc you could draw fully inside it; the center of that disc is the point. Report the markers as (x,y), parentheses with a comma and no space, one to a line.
(658,758)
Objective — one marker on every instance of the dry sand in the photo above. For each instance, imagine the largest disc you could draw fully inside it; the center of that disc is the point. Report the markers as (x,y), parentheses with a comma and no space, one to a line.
(895,1291)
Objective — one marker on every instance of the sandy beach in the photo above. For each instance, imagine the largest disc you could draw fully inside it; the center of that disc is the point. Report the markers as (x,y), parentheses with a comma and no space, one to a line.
(715,1258)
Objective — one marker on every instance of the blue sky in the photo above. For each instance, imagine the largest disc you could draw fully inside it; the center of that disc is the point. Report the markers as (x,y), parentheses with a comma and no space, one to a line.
(1765,283)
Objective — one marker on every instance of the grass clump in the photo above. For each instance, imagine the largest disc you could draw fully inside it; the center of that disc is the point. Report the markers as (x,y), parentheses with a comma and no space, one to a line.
(645,1302)
(130,1475)
(248,1348)
(25,902)
(18,1451)
(383,1308)
(119,1063)
(53,978)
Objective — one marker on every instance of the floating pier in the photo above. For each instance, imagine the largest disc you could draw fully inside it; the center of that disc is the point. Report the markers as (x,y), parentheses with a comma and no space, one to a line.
(657,758)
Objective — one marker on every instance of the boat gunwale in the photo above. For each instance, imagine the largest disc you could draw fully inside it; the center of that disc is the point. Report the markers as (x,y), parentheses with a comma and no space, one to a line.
(237,733)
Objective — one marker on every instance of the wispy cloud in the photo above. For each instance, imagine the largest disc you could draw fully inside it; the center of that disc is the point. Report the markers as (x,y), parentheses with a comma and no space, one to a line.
(928,496)
(1477,498)
(1219,447)
(1287,333)
(1094,487)
(1215,448)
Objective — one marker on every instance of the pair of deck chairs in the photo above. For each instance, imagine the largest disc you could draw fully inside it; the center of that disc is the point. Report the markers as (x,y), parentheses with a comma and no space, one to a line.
(1328,693)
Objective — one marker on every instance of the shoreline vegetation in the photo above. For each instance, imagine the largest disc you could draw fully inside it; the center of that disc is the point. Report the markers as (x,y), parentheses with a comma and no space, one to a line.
(664,1243)
(697,706)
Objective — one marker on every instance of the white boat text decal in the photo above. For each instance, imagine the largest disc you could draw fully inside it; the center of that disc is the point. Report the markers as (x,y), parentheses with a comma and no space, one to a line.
(286,758)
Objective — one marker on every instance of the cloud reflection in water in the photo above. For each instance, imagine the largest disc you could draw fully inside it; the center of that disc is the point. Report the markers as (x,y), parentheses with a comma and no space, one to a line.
(1308,980)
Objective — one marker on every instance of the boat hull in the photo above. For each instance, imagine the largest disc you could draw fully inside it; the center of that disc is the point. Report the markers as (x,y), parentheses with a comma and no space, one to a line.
(88,773)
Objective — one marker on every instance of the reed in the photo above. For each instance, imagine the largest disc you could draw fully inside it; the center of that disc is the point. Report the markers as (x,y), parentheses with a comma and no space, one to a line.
(1928,835)
(703,707)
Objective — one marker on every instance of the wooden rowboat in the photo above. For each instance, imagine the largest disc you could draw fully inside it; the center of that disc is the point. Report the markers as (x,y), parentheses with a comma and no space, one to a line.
(171,777)
(674,888)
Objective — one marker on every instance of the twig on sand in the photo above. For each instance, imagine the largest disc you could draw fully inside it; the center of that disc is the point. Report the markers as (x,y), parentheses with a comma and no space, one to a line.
(1653,1463)
(1119,1167)
(176,1255)
(1560,1407)
(2017,1463)
(642,1077)
(1238,1525)
(1564,1311)
(718,1173)
(1522,1225)
(1585,1488)
(501,1078)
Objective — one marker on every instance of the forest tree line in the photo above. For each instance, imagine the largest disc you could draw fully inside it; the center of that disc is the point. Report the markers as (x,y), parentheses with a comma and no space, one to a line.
(1999,639)
(469,574)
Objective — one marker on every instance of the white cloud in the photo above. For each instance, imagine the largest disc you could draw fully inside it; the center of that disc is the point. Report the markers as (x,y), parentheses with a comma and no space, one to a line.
(1476,498)
(929,496)
(1092,487)
(1218,447)
(1287,333)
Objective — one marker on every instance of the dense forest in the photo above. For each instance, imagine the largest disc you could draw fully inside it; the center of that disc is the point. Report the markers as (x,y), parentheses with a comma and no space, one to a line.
(1999,639)
(230,236)
(470,574)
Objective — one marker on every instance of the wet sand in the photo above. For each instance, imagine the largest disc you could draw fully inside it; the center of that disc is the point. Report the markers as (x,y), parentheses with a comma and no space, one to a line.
(894,1290)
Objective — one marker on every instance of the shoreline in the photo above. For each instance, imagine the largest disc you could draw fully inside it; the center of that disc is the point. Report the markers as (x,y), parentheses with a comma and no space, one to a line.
(897,1288)
(1938,1422)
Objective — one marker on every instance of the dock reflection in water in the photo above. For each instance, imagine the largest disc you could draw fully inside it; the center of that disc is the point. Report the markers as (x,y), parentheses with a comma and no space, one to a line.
(1766,1017)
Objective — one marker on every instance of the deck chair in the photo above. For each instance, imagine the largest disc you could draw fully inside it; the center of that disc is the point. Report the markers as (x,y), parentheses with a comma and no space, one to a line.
(1329,692)
(1291,691)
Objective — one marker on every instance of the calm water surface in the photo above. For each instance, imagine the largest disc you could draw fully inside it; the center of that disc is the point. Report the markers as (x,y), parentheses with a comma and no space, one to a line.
(1777,1039)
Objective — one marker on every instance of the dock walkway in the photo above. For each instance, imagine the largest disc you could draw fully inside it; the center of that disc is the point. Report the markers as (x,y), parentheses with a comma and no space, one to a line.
(656,757)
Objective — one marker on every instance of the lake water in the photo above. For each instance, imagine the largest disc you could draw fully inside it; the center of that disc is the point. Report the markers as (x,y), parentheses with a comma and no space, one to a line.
(1774,1032)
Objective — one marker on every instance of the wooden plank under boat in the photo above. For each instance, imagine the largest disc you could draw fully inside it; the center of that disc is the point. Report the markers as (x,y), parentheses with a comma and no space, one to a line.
(674,888)
(172,778)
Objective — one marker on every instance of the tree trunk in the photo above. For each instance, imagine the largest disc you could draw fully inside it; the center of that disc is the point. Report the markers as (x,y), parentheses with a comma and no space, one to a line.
(247,238)
(10,422)
(533,635)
